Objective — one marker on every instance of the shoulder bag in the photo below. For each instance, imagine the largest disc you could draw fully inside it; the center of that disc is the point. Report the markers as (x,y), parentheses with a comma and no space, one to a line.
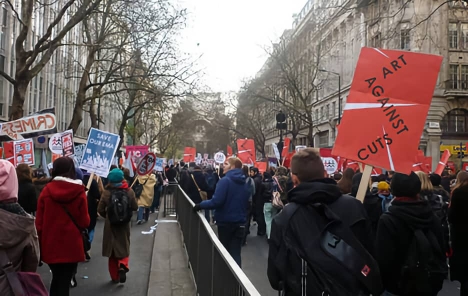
(83,231)
(203,194)
(276,200)
(22,283)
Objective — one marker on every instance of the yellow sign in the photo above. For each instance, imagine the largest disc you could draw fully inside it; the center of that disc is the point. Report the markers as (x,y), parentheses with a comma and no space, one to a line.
(454,149)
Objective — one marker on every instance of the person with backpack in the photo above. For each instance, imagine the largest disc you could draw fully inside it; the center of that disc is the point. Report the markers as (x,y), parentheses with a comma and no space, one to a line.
(457,216)
(320,241)
(18,239)
(117,205)
(410,243)
(61,217)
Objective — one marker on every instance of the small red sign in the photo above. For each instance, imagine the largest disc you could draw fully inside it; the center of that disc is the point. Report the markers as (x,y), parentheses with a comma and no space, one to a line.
(146,164)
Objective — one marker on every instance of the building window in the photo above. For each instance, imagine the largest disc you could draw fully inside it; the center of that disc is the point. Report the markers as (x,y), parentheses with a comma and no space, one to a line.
(316,115)
(327,112)
(323,139)
(453,35)
(455,122)
(333,111)
(321,113)
(464,36)
(458,77)
(405,39)
(376,41)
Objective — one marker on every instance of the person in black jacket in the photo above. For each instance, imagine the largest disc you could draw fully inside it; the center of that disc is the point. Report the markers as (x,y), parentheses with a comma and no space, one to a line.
(396,236)
(193,189)
(171,174)
(258,202)
(27,197)
(311,187)
(457,216)
(93,200)
(269,212)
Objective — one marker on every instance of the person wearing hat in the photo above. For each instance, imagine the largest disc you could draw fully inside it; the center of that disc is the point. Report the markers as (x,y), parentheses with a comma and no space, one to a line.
(408,234)
(62,211)
(116,238)
(18,237)
(383,192)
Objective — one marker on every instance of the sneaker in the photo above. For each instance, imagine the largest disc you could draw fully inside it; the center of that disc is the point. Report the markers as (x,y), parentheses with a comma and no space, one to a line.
(139,222)
(122,276)
(88,257)
(73,282)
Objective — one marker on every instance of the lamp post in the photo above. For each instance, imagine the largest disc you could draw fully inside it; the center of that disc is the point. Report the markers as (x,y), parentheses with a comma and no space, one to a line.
(339,91)
(281,125)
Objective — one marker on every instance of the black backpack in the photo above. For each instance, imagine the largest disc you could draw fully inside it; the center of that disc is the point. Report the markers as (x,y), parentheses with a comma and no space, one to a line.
(138,188)
(119,210)
(425,267)
(329,258)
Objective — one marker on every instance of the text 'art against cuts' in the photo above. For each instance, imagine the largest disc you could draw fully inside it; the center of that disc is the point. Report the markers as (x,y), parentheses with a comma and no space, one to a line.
(387,108)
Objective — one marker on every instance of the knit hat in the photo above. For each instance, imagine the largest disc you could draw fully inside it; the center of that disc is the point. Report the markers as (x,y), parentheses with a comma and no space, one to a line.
(406,185)
(115,176)
(8,182)
(383,187)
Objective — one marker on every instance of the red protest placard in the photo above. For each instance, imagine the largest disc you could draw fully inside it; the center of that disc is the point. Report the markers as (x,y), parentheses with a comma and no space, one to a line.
(285,152)
(189,154)
(8,153)
(68,148)
(262,166)
(246,151)
(386,108)
(24,152)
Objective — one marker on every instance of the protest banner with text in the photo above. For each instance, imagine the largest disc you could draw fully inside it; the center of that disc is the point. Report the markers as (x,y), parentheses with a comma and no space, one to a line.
(246,151)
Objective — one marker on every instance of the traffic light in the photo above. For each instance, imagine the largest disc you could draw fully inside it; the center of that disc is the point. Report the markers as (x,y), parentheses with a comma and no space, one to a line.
(281,121)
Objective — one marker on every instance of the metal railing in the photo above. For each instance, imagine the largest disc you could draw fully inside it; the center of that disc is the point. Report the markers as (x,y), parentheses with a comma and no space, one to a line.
(169,193)
(214,270)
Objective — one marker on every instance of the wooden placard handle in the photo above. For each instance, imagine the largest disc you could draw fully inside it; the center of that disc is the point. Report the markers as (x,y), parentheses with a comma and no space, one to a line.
(364,185)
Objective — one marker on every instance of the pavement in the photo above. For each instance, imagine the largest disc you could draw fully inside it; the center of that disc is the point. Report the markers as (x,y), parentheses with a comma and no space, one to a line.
(255,262)
(167,267)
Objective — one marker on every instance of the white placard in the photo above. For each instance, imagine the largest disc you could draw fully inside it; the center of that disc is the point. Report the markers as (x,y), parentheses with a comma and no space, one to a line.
(219,157)
(275,148)
(330,165)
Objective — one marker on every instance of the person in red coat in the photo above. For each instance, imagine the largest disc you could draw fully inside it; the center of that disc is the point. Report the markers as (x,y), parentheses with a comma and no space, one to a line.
(60,239)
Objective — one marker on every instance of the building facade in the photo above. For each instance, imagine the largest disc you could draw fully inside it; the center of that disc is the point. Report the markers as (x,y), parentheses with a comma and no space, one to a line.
(329,35)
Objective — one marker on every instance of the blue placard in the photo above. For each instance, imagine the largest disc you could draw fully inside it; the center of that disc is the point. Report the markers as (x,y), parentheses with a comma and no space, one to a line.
(99,152)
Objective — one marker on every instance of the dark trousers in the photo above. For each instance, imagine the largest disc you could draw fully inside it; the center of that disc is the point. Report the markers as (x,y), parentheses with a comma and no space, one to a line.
(156,199)
(247,224)
(62,274)
(464,288)
(231,236)
(261,230)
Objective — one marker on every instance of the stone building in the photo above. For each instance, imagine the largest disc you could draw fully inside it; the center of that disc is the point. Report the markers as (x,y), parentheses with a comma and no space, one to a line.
(325,43)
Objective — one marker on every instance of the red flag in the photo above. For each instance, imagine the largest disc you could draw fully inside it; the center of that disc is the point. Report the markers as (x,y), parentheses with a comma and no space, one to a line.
(421,163)
(285,152)
(287,159)
(443,161)
(189,154)
(229,151)
(246,151)
(388,103)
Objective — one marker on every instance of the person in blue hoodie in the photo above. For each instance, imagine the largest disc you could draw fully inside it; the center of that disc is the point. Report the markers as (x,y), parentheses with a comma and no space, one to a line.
(231,201)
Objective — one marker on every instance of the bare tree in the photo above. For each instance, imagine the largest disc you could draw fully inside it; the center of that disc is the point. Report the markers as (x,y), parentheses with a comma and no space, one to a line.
(31,60)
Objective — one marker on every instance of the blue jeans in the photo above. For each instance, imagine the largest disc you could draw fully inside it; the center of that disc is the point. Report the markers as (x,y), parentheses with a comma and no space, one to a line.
(231,236)
(91,235)
(143,214)
(208,215)
(270,212)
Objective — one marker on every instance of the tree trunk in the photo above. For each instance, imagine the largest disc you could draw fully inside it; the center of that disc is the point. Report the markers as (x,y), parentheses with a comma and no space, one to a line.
(19,97)
(310,136)
(92,113)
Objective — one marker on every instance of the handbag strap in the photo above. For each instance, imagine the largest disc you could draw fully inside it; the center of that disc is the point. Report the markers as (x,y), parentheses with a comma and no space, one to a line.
(277,183)
(71,218)
(12,276)
(193,178)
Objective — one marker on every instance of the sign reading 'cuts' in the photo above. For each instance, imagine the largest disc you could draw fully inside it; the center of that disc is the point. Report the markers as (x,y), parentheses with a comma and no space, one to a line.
(219,157)
(146,164)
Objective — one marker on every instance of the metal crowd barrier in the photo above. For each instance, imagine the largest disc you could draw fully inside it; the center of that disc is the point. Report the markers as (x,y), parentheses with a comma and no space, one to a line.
(214,270)
(169,192)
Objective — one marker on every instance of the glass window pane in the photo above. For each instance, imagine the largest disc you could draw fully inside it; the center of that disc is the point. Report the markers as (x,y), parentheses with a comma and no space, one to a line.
(454,76)
(464,36)
(453,35)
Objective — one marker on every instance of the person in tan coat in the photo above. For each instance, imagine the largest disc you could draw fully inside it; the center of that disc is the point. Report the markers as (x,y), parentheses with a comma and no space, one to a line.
(116,238)
(146,198)
(18,236)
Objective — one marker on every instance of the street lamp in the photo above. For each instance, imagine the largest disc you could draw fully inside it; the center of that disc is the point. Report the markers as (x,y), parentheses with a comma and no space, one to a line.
(339,91)
(281,125)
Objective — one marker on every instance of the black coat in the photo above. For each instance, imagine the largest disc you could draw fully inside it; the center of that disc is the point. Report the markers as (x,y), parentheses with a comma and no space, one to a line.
(192,190)
(458,218)
(267,191)
(93,200)
(257,198)
(171,175)
(27,197)
(394,237)
(347,208)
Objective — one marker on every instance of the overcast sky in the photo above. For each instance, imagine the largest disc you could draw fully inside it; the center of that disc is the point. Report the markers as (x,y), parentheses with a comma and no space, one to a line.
(231,36)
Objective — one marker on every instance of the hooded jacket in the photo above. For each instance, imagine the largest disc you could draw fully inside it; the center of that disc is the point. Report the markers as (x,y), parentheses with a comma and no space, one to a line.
(347,208)
(147,195)
(19,239)
(394,236)
(231,199)
(192,190)
(59,237)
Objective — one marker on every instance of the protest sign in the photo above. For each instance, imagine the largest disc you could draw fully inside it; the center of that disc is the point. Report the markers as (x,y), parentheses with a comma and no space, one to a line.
(136,153)
(275,149)
(206,156)
(68,149)
(330,165)
(198,160)
(159,164)
(246,151)
(386,108)
(41,142)
(229,151)
(272,162)
(8,153)
(79,151)
(24,152)
(285,152)
(55,143)
(189,154)
(262,167)
(219,157)
(146,164)
(40,123)
(99,152)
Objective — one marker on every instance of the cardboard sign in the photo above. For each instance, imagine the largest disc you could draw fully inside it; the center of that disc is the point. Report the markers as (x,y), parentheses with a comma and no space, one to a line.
(189,154)
(219,157)
(262,167)
(246,151)
(55,143)
(40,123)
(136,153)
(387,104)
(229,151)
(443,162)
(285,152)
(79,151)
(275,149)
(330,164)
(146,164)
(159,164)
(99,152)
(68,149)
(24,152)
